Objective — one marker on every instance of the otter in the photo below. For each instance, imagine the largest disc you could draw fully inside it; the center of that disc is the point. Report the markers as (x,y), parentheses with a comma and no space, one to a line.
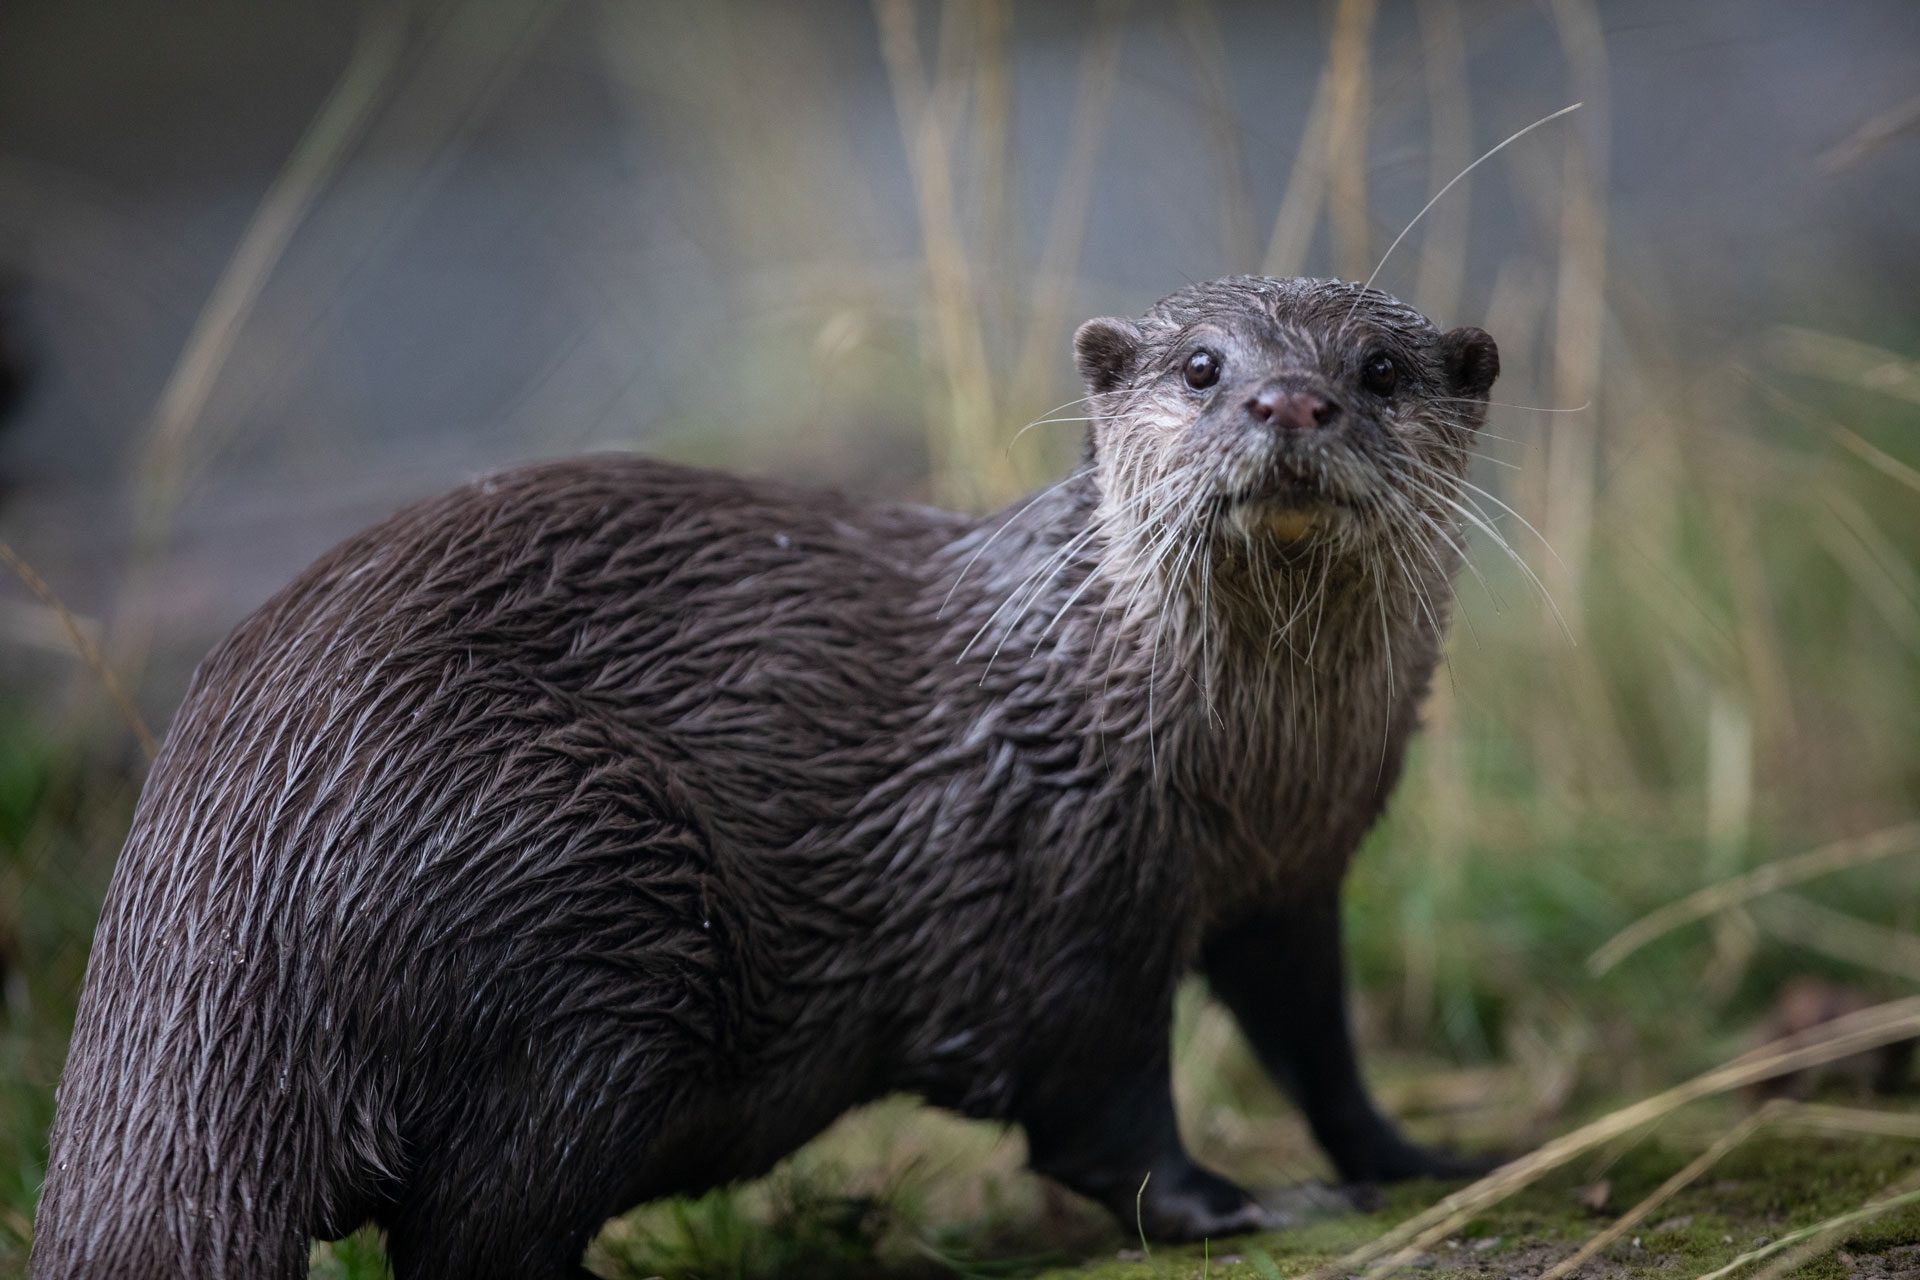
(602,830)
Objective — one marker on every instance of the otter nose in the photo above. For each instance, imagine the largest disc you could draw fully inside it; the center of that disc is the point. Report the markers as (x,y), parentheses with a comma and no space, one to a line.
(1286,408)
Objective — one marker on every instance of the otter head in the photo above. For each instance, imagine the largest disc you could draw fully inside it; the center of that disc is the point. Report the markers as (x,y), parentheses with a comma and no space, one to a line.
(1255,423)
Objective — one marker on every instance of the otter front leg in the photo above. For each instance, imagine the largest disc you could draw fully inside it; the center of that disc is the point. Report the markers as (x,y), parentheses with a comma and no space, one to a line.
(1114,1140)
(1281,974)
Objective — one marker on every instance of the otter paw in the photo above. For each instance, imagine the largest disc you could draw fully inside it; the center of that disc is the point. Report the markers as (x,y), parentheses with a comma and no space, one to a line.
(1200,1206)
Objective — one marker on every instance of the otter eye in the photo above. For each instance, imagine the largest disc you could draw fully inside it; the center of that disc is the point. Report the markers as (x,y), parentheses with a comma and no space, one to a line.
(1379,374)
(1202,370)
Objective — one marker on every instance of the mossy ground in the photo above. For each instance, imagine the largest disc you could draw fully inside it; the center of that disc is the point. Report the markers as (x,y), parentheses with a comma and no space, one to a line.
(1762,1190)
(978,1217)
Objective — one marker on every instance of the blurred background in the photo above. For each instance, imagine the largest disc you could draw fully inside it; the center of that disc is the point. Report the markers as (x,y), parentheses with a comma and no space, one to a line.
(268,272)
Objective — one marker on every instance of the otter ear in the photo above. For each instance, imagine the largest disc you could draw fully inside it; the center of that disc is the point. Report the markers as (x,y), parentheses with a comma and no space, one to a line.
(1472,362)
(1105,350)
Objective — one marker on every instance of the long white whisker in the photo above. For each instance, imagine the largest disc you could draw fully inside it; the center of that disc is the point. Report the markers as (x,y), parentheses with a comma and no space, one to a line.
(1504,404)
(1502,145)
(1459,549)
(1479,521)
(1029,590)
(1517,516)
(1025,507)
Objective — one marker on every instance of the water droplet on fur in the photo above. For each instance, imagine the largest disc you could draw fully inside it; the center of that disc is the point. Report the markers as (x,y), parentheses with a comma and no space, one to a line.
(782,541)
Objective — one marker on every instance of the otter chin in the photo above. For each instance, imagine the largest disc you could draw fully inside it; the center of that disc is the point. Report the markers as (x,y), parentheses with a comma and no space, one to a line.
(603,829)
(1284,521)
(1290,524)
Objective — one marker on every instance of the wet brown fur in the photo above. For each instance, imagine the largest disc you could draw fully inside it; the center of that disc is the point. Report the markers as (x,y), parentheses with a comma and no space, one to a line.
(603,829)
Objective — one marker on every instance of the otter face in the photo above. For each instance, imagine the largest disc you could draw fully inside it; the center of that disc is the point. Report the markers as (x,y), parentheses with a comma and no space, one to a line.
(1282,415)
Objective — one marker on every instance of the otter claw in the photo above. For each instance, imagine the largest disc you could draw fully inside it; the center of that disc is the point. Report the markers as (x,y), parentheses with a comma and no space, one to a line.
(1190,1223)
(1204,1207)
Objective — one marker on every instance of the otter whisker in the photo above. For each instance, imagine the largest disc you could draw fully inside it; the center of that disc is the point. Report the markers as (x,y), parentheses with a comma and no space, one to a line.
(1527,524)
(1148,564)
(1063,556)
(1065,606)
(1048,418)
(1207,639)
(1427,548)
(1459,550)
(1028,590)
(1472,426)
(1030,504)
(1504,404)
(1386,647)
(1402,471)
(1419,588)
(1495,150)
(1479,520)
(1153,661)
(1320,609)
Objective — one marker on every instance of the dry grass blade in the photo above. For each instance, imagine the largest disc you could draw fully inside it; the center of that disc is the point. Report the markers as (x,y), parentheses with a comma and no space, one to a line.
(1666,1191)
(313,162)
(1350,62)
(1906,1192)
(1804,923)
(1580,302)
(991,146)
(1072,200)
(1213,67)
(1876,133)
(1443,50)
(1845,1027)
(1875,563)
(1820,1117)
(965,454)
(88,652)
(1306,189)
(1879,459)
(1843,1037)
(1846,361)
(1888,843)
(315,159)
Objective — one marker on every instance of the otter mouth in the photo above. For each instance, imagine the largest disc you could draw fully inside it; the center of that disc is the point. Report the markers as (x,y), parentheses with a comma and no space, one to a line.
(1288,507)
(1286,493)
